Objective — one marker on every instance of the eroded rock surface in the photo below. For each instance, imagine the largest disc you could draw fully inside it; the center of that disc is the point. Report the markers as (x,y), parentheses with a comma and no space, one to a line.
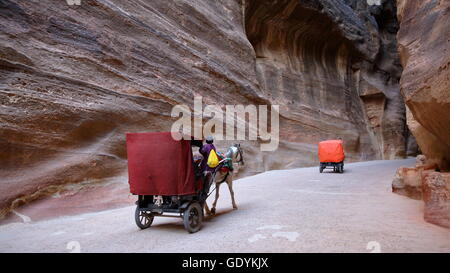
(75,79)
(424,46)
(333,66)
(423,182)
(408,181)
(436,188)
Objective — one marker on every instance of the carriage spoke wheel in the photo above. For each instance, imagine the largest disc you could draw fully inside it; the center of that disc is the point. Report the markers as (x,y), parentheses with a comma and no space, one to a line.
(193,217)
(143,219)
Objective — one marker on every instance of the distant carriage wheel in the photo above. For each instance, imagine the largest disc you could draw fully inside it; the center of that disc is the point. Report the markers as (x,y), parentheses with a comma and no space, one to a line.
(320,169)
(193,217)
(143,219)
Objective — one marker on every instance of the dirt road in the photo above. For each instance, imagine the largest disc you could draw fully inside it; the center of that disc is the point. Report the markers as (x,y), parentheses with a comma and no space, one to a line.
(297,210)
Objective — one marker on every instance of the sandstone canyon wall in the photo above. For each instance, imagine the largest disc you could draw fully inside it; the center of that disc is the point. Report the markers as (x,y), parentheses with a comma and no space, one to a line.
(424,46)
(75,79)
(334,67)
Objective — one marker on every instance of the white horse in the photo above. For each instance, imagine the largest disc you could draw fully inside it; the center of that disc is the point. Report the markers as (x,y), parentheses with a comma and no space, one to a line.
(235,154)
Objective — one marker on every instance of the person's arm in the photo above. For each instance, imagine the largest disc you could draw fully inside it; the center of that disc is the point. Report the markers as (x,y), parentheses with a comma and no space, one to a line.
(202,149)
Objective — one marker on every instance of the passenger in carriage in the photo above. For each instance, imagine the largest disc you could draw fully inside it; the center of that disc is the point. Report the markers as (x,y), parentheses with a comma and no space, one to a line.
(198,158)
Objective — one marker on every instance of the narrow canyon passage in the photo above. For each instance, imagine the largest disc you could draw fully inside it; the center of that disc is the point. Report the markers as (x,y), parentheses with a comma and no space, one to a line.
(298,210)
(76,79)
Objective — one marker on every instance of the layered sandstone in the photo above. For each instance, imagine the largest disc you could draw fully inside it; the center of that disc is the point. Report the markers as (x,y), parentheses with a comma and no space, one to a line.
(423,182)
(333,66)
(436,189)
(75,79)
(408,181)
(424,46)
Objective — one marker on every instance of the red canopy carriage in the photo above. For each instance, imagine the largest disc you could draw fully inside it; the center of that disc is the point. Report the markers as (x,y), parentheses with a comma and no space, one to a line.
(162,173)
(160,165)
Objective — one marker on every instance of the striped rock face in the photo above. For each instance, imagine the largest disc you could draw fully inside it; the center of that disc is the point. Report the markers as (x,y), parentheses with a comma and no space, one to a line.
(424,46)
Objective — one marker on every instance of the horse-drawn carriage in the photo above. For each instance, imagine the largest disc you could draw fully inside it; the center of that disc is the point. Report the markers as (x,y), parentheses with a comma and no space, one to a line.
(331,154)
(167,181)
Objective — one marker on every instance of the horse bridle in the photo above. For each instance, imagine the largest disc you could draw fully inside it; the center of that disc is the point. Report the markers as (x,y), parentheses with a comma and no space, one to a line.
(241,160)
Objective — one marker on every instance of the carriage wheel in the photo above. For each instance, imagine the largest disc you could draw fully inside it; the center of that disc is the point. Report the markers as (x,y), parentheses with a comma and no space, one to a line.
(193,217)
(143,219)
(320,169)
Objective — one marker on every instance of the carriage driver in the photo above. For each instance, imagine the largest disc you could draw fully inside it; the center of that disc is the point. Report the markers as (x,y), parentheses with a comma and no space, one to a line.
(205,169)
(204,151)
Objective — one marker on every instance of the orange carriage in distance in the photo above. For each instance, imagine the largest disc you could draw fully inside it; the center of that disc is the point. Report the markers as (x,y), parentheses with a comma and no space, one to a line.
(331,154)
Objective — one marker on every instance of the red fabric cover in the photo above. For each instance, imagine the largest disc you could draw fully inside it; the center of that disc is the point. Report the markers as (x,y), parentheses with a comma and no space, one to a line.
(159,165)
(331,151)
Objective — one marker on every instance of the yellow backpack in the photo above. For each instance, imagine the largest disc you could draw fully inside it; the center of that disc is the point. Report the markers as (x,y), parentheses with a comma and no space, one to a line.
(213,160)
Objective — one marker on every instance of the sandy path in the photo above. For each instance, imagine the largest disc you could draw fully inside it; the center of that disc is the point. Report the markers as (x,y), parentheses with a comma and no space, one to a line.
(295,210)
